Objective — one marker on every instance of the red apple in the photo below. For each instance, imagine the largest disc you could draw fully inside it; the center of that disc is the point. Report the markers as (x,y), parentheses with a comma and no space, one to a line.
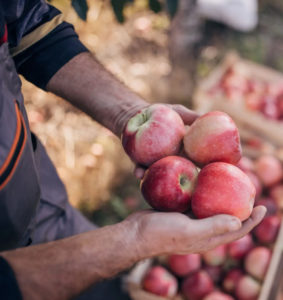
(215,272)
(213,137)
(234,83)
(183,265)
(223,189)
(153,133)
(197,285)
(269,107)
(160,282)
(231,280)
(256,182)
(217,295)
(269,170)
(216,256)
(270,204)
(276,193)
(257,261)
(245,164)
(247,288)
(168,184)
(238,249)
(266,232)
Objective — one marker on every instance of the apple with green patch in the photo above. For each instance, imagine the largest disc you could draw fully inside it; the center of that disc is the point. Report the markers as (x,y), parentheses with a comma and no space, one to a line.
(247,288)
(153,133)
(257,262)
(216,256)
(168,184)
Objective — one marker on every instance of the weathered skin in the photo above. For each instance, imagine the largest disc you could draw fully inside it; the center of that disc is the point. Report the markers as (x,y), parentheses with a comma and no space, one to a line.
(223,189)
(213,137)
(152,134)
(160,282)
(168,184)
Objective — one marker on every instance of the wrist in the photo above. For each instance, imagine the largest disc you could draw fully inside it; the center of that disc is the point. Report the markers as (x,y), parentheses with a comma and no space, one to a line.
(127,113)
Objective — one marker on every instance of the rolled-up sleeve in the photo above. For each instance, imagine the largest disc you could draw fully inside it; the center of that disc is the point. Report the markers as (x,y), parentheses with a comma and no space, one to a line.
(47,45)
(9,289)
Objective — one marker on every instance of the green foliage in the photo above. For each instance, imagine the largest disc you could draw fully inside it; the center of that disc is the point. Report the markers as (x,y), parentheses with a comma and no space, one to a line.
(118,6)
(81,8)
(154,5)
(172,6)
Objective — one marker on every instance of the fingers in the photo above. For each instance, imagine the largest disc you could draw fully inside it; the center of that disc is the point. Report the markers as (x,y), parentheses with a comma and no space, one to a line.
(217,225)
(186,114)
(255,218)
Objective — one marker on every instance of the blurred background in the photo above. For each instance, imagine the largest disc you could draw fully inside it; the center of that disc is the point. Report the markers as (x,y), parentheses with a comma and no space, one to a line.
(161,57)
(188,52)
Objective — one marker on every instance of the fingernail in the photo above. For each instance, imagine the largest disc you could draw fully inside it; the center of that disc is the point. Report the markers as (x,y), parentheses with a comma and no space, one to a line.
(264,210)
(234,225)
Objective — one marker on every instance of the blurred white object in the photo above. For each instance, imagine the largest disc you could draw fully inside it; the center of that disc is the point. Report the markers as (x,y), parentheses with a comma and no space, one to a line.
(241,15)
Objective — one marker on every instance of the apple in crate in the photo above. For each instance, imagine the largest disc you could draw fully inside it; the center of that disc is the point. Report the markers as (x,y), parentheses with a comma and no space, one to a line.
(223,188)
(276,193)
(153,133)
(271,206)
(269,170)
(197,285)
(213,137)
(256,182)
(216,256)
(247,288)
(215,272)
(266,232)
(217,295)
(239,248)
(231,280)
(168,184)
(257,261)
(246,164)
(160,282)
(183,265)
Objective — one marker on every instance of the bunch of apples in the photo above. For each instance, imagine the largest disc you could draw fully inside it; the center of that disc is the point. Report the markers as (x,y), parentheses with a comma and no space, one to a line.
(257,94)
(155,137)
(232,271)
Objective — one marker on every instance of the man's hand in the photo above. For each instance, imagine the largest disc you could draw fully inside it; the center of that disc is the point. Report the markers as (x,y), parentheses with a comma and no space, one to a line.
(167,233)
(62,269)
(188,116)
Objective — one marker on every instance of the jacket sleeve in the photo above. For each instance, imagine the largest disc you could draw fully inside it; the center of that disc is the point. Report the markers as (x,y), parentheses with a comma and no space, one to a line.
(9,289)
(41,42)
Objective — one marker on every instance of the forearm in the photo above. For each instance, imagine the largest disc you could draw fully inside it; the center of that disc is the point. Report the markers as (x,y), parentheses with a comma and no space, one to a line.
(62,269)
(85,83)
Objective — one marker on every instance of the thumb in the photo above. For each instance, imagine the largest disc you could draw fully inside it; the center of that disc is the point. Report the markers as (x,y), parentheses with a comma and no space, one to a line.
(217,225)
(188,116)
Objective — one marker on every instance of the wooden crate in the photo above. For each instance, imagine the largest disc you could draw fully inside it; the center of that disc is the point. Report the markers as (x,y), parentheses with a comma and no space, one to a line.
(272,288)
(249,122)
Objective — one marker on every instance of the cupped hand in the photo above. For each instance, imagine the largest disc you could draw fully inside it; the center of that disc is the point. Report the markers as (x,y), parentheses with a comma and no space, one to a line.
(160,233)
(188,116)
